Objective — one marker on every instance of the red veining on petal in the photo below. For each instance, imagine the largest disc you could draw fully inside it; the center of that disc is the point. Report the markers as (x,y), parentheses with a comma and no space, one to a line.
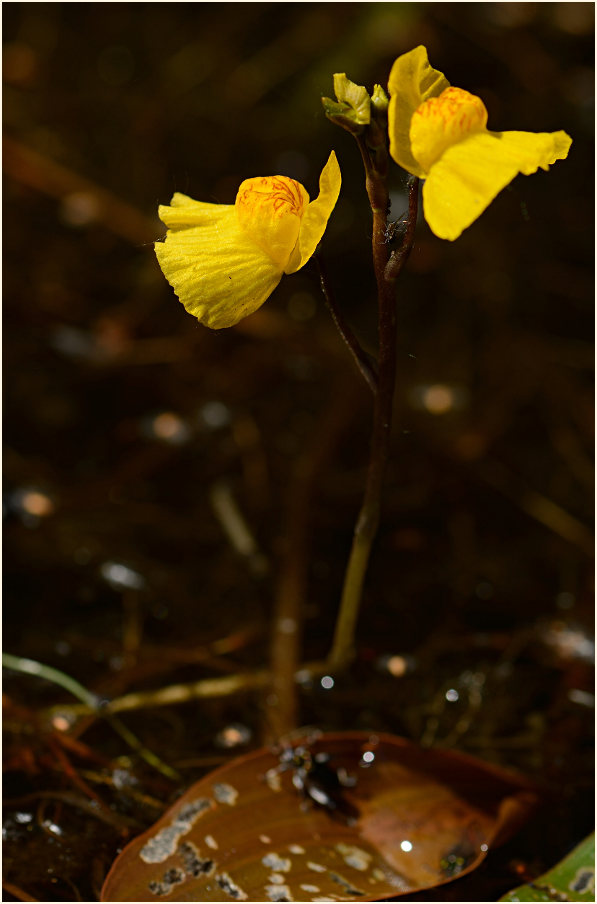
(270,209)
(443,121)
(278,193)
(455,109)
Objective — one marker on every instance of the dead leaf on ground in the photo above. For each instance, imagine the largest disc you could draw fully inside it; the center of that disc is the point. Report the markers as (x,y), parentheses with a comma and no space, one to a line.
(415,818)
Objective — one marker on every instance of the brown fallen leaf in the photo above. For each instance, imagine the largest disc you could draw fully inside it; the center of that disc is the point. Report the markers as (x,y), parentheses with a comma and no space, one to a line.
(415,818)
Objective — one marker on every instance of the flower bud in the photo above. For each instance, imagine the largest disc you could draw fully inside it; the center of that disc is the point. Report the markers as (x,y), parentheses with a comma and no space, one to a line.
(379,99)
(352,109)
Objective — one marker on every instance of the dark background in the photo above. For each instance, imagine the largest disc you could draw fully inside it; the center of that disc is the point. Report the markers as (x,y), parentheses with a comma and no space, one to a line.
(122,413)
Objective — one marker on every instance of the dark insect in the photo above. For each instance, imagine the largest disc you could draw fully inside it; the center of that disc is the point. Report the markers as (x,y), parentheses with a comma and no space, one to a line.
(396,230)
(317,780)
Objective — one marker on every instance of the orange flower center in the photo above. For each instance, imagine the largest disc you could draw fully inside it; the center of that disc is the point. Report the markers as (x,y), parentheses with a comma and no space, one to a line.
(279,193)
(443,121)
(269,210)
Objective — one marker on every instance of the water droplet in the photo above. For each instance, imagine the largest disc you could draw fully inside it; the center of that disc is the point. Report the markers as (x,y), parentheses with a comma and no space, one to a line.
(119,576)
(233,735)
(215,415)
(168,427)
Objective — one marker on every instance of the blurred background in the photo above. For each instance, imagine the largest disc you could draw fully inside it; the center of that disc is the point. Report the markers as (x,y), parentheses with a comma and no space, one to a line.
(136,440)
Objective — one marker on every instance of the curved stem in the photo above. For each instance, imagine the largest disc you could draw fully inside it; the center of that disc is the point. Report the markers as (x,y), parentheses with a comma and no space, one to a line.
(361,358)
(48,673)
(92,703)
(386,272)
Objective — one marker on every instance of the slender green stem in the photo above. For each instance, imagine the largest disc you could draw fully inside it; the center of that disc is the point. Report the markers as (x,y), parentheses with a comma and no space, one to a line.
(207,688)
(386,271)
(151,758)
(32,667)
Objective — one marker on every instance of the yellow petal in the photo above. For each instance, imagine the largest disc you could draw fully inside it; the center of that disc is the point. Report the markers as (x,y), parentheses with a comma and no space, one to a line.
(185,212)
(469,175)
(219,274)
(316,216)
(412,81)
(269,211)
(534,149)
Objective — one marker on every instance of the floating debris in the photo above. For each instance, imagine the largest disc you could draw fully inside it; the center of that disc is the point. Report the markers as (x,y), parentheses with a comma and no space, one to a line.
(225,794)
(568,641)
(273,780)
(230,887)
(164,844)
(354,856)
(277,879)
(194,864)
(276,863)
(278,893)
(346,885)
(170,878)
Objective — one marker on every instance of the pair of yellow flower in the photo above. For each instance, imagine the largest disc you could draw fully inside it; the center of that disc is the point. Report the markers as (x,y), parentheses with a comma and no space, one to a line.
(223,261)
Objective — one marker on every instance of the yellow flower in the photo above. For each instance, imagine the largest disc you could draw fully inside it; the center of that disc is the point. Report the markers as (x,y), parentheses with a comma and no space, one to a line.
(224,260)
(440,134)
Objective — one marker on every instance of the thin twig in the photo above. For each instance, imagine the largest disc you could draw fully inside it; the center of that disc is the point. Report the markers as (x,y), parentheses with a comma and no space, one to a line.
(208,688)
(118,820)
(228,513)
(29,167)
(144,752)
(174,693)
(360,356)
(537,506)
(17,892)
(67,768)
(125,790)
